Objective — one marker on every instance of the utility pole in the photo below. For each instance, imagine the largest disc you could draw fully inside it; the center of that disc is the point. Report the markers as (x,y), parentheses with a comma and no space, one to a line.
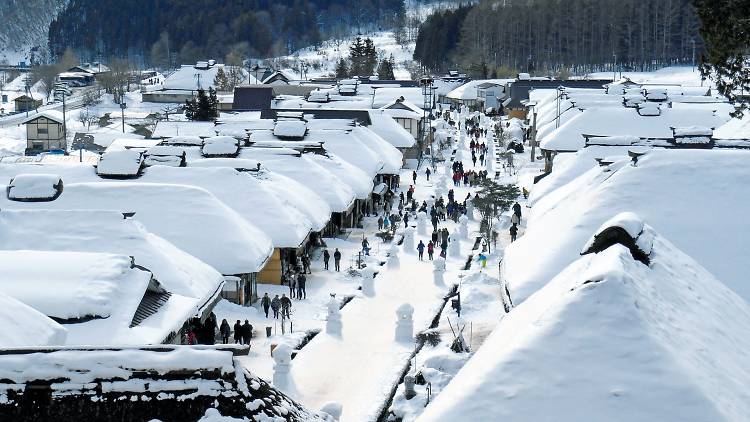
(533,139)
(65,126)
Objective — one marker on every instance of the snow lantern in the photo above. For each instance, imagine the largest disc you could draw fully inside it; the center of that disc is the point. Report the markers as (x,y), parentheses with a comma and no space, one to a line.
(333,409)
(454,248)
(393,260)
(422,224)
(282,357)
(470,209)
(333,322)
(405,323)
(438,271)
(463,225)
(408,240)
(368,281)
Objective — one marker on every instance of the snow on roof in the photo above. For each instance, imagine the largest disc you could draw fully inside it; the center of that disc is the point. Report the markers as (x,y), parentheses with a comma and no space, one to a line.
(34,187)
(170,129)
(290,128)
(189,217)
(387,128)
(335,192)
(125,163)
(220,146)
(33,327)
(183,141)
(185,78)
(734,128)
(662,188)
(693,131)
(73,285)
(360,182)
(107,231)
(284,224)
(613,121)
(405,105)
(468,91)
(388,154)
(387,96)
(130,143)
(290,192)
(53,115)
(612,339)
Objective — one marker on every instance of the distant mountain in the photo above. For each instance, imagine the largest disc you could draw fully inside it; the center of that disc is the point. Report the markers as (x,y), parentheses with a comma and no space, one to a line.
(25,23)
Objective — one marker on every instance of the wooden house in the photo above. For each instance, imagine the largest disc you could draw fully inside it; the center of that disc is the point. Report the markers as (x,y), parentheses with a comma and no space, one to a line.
(45,132)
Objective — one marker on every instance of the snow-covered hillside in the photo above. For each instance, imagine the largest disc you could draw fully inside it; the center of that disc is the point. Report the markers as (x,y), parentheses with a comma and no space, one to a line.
(24,24)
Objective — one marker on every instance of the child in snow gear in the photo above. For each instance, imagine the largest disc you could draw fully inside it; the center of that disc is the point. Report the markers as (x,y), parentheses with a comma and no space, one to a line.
(337,259)
(265,301)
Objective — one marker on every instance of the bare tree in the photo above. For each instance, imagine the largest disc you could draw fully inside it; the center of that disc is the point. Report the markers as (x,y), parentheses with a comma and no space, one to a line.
(46,74)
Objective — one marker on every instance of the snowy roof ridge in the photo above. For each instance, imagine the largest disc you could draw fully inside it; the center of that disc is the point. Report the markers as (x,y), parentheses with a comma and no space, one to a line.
(620,340)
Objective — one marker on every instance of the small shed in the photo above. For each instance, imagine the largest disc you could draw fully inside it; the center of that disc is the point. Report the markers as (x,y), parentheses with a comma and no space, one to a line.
(25,103)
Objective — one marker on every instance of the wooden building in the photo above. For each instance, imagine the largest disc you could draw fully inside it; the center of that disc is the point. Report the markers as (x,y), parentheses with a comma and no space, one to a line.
(45,132)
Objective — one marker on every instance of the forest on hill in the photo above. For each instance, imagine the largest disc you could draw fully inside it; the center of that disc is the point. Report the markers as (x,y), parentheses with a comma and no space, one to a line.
(196,29)
(558,36)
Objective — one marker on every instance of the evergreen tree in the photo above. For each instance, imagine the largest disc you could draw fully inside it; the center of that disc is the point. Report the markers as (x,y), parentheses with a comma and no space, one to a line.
(369,57)
(357,57)
(342,70)
(724,27)
(385,69)
(221,81)
(493,199)
(204,107)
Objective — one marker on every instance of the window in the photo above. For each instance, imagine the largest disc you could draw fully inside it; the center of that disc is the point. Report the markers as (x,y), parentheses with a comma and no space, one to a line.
(37,145)
(42,130)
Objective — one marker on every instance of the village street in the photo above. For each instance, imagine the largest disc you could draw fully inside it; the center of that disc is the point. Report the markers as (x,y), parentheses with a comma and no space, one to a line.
(359,367)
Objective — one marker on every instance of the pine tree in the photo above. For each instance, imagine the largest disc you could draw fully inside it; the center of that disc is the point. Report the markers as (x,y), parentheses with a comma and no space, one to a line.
(356,57)
(221,81)
(492,200)
(204,108)
(369,57)
(385,69)
(342,70)
(724,27)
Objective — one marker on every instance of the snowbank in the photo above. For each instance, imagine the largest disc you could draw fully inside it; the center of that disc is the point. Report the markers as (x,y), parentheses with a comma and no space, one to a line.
(25,326)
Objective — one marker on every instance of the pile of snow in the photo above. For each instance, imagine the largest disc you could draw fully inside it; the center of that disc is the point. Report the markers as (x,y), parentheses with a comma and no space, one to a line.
(72,285)
(734,128)
(124,163)
(693,131)
(25,326)
(183,141)
(34,187)
(613,339)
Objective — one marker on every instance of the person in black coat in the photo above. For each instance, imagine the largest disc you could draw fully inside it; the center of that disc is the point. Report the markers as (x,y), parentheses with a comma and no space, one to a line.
(301,293)
(238,332)
(225,330)
(247,332)
(326,257)
(337,259)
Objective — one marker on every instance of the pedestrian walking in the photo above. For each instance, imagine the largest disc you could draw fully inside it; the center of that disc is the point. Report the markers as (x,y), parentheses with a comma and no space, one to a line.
(265,301)
(292,284)
(513,232)
(428,172)
(430,249)
(286,305)
(301,293)
(414,176)
(238,332)
(225,330)
(380,223)
(326,257)
(517,210)
(420,248)
(306,263)
(275,305)
(365,246)
(247,332)
(337,259)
